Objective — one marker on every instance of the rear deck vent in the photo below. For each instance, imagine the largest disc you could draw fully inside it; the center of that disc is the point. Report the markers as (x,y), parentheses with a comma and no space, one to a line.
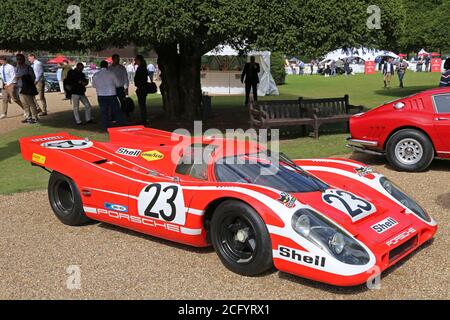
(101,161)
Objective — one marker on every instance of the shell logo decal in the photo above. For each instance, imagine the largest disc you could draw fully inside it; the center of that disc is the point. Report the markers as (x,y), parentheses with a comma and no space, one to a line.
(152,155)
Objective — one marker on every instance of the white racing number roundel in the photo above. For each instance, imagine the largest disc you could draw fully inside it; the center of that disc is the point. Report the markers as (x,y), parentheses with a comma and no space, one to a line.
(348,203)
(68,144)
(163,201)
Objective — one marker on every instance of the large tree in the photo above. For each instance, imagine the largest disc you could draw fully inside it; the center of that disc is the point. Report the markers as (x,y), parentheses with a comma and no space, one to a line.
(182,31)
(426,25)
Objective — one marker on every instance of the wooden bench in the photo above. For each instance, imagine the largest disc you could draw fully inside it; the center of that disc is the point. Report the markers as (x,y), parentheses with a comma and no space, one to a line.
(311,112)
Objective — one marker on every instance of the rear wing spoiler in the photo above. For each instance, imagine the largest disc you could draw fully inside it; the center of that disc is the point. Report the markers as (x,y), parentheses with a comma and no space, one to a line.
(39,151)
(142,135)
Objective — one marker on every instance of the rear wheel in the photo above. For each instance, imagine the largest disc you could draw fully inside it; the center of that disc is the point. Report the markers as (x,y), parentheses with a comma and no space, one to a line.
(241,239)
(65,200)
(409,150)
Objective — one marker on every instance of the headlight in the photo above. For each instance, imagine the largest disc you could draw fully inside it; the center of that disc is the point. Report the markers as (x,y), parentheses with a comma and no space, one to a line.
(303,225)
(337,243)
(330,238)
(394,191)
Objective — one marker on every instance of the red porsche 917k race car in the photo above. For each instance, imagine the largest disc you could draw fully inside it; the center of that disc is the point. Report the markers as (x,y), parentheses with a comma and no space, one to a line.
(411,131)
(330,220)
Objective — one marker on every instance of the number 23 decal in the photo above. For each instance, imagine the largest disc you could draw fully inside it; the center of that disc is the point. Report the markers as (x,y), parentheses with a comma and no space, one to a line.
(162,201)
(348,203)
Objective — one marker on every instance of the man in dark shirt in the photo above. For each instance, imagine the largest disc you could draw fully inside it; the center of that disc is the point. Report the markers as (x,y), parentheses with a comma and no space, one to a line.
(445,79)
(250,77)
(77,82)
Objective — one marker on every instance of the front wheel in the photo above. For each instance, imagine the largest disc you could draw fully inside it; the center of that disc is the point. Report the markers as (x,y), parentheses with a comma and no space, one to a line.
(65,200)
(409,150)
(241,239)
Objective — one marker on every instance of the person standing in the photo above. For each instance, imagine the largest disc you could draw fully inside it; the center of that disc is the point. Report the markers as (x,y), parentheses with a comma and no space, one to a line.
(130,72)
(347,67)
(312,67)
(78,82)
(65,71)
(419,65)
(427,62)
(339,66)
(388,72)
(9,93)
(151,71)
(105,83)
(445,78)
(59,78)
(141,81)
(250,77)
(333,68)
(27,89)
(401,70)
(121,74)
(39,82)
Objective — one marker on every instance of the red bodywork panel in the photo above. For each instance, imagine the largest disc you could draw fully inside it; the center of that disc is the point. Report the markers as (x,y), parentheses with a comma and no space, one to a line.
(419,112)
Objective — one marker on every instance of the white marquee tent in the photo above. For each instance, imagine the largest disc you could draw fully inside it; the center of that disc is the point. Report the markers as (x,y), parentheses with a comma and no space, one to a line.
(228,82)
(362,53)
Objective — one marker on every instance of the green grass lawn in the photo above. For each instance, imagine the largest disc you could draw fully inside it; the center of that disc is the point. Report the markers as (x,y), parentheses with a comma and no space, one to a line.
(18,175)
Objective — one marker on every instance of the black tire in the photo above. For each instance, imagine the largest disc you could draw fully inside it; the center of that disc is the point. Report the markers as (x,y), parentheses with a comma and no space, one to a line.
(249,257)
(421,141)
(65,200)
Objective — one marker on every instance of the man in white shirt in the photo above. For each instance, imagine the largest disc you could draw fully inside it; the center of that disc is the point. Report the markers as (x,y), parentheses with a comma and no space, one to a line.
(38,69)
(151,71)
(8,76)
(105,82)
(130,70)
(121,74)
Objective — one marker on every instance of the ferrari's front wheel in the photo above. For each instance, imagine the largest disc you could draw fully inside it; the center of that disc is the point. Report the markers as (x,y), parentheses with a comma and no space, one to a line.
(65,200)
(241,239)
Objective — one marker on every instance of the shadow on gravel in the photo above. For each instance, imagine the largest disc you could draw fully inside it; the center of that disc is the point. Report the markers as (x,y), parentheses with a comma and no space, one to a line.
(355,289)
(443,200)
(373,160)
(155,239)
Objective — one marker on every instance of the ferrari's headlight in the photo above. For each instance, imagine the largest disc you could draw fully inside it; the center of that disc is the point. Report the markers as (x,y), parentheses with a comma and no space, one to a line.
(330,238)
(394,191)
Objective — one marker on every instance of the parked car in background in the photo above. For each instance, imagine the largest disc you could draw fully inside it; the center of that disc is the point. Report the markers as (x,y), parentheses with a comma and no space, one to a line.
(411,131)
(51,82)
(50,68)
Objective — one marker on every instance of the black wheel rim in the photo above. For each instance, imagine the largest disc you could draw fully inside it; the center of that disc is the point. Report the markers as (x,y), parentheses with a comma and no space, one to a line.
(64,199)
(237,239)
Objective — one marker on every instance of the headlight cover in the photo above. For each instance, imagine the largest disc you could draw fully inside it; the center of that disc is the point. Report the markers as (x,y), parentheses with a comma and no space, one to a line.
(394,191)
(318,230)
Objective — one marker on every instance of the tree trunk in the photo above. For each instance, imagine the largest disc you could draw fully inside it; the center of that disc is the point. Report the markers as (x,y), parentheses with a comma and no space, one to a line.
(180,75)
(169,66)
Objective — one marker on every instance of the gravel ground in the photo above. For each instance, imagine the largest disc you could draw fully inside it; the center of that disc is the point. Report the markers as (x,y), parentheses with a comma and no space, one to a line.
(15,113)
(36,250)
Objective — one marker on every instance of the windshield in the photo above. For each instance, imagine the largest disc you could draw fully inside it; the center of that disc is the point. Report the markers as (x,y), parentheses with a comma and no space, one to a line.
(274,171)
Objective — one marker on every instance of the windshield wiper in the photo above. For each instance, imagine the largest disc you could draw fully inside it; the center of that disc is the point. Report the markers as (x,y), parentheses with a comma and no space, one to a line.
(296,167)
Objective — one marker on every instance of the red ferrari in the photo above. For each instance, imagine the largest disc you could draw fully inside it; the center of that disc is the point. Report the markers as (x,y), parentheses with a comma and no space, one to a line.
(411,131)
(331,220)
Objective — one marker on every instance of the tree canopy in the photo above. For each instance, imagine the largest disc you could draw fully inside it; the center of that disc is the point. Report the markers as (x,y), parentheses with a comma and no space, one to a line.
(181,31)
(426,25)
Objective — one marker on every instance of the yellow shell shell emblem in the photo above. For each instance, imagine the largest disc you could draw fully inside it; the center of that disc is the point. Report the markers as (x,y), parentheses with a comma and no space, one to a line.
(152,155)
